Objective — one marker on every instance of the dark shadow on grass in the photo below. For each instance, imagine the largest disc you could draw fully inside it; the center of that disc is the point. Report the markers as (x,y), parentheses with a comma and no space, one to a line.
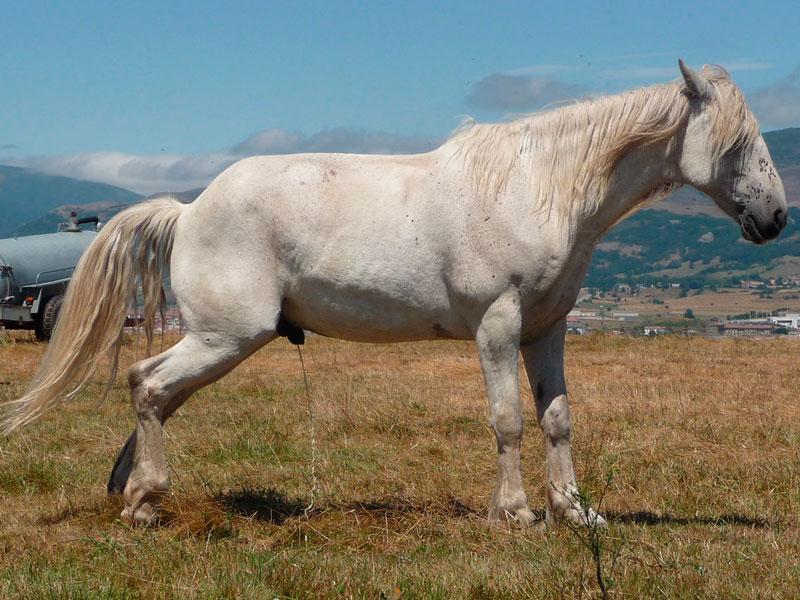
(273,506)
(267,505)
(643,517)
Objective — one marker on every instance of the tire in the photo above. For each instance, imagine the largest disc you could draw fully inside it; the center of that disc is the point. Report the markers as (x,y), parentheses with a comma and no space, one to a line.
(47,322)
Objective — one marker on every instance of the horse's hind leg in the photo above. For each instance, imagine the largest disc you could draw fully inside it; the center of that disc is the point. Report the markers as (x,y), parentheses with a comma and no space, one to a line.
(158,386)
(124,463)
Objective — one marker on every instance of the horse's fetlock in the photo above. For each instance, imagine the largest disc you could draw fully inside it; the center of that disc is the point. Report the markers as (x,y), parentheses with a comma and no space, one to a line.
(561,500)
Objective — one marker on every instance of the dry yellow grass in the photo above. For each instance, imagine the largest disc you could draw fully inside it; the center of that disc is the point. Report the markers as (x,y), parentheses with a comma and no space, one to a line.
(702,437)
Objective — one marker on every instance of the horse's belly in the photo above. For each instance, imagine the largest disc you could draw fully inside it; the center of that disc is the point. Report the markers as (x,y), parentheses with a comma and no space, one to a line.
(360,313)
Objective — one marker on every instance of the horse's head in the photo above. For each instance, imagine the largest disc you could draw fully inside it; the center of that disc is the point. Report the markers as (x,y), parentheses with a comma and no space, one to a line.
(723,154)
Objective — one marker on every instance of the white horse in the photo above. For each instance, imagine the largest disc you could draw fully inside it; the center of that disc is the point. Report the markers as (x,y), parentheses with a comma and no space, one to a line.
(486,238)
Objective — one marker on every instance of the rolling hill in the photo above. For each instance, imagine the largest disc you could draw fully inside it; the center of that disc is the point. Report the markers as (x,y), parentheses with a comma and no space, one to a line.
(103,210)
(26,195)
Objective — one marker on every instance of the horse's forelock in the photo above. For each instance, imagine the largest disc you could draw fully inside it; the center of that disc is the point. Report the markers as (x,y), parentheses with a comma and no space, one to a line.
(733,124)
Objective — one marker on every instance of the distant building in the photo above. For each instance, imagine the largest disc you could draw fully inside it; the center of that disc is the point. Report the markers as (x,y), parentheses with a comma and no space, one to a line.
(746,329)
(751,284)
(690,332)
(576,326)
(653,330)
(582,313)
(625,316)
(789,320)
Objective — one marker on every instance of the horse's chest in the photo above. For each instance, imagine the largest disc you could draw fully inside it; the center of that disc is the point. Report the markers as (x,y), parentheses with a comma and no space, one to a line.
(549,293)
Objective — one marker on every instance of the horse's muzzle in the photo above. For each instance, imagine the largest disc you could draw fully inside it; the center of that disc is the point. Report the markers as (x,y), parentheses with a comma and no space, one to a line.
(758,233)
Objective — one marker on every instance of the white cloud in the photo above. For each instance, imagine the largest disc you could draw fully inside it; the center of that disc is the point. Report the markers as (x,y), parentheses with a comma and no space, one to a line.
(778,105)
(532,70)
(501,92)
(141,173)
(152,173)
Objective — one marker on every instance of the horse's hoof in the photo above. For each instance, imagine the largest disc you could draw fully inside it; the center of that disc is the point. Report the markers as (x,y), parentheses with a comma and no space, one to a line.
(521,516)
(142,499)
(577,518)
(143,516)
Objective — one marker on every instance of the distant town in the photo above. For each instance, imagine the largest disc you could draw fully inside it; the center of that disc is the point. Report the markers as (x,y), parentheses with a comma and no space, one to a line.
(755,308)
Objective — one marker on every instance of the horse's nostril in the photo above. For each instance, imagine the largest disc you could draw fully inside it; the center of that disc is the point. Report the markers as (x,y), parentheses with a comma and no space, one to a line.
(781,218)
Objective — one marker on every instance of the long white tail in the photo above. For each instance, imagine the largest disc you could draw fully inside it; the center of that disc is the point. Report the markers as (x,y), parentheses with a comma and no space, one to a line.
(134,244)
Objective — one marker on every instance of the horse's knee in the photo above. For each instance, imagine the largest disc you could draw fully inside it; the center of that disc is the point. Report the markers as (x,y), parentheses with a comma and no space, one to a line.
(555,422)
(507,427)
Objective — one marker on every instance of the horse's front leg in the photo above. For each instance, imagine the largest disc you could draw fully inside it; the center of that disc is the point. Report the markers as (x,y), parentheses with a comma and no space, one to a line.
(498,346)
(544,363)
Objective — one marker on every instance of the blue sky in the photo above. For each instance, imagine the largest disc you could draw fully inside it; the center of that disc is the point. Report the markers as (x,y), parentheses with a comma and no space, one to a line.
(157,96)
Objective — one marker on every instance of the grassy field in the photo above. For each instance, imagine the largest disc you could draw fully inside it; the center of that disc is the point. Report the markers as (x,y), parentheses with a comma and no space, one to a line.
(700,440)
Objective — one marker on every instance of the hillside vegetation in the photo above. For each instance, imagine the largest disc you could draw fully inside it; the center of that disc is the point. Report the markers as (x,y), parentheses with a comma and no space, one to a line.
(695,250)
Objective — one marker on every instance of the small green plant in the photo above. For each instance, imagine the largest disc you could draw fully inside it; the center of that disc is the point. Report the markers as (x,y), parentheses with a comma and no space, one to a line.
(593,533)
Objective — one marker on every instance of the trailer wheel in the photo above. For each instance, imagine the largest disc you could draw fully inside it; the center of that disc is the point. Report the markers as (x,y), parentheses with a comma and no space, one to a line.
(47,322)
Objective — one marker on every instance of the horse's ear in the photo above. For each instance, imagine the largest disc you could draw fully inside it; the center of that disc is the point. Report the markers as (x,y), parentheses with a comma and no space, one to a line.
(697,86)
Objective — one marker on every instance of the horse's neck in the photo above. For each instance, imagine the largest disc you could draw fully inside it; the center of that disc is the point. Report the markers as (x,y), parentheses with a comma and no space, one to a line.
(643,175)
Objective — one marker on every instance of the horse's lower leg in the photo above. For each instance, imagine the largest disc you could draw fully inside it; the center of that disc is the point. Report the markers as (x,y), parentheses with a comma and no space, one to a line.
(158,385)
(544,362)
(124,463)
(498,347)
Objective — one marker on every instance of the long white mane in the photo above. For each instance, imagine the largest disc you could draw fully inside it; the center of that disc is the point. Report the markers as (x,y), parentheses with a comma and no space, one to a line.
(572,151)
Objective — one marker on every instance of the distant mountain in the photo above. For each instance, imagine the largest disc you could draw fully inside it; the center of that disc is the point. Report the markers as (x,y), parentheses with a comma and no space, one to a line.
(784,146)
(696,250)
(102,210)
(26,195)
(186,197)
(50,221)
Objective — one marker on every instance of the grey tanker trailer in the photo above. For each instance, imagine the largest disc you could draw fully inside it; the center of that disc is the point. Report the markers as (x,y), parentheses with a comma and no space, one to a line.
(35,271)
